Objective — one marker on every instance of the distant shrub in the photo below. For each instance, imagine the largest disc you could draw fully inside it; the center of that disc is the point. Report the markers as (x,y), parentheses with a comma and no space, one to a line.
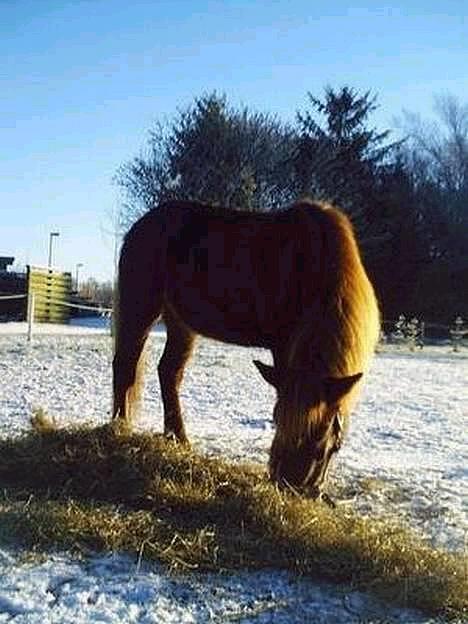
(408,332)
(458,332)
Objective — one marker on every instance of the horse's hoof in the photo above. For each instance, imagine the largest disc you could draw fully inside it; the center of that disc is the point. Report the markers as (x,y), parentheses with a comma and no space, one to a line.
(179,438)
(316,494)
(324,497)
(120,426)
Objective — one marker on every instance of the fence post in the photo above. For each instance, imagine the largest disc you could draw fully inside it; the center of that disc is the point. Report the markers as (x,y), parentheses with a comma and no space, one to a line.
(30,318)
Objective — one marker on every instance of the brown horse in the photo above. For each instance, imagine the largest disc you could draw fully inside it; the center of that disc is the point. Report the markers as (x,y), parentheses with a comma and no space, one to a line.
(292,282)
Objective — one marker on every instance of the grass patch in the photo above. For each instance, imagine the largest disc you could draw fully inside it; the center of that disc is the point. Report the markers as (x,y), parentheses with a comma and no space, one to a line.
(91,489)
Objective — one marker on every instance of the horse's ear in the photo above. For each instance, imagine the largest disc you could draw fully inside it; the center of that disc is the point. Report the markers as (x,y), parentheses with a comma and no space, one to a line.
(337,387)
(267,372)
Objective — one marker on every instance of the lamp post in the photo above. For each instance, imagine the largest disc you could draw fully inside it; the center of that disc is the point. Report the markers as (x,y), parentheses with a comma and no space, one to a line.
(52,235)
(77,269)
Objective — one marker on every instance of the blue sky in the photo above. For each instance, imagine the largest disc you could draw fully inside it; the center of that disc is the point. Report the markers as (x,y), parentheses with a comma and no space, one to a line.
(83,81)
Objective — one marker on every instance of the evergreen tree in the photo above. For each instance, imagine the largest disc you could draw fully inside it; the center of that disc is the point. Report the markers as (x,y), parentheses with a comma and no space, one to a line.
(212,153)
(337,154)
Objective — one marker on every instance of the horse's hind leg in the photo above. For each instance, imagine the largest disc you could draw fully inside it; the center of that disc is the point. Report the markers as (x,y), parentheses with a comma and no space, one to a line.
(138,307)
(128,370)
(179,346)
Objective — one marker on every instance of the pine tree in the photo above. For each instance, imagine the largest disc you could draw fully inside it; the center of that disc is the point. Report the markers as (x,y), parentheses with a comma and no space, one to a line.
(338,155)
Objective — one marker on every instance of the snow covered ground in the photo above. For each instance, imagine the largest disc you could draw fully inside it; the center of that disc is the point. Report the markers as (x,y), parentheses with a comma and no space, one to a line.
(405,456)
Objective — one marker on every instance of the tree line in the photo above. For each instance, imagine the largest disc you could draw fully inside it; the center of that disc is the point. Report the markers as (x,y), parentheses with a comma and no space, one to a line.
(408,199)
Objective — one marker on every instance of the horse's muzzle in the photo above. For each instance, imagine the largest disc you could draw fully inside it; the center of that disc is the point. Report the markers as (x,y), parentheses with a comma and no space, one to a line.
(300,469)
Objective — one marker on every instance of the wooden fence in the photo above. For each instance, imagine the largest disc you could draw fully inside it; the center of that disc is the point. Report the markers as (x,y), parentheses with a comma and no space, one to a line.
(49,290)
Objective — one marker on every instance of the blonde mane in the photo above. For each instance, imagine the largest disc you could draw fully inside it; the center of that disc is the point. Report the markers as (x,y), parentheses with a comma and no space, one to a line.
(339,330)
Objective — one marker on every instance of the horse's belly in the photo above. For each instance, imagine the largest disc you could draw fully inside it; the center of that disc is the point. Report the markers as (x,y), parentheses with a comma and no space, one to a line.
(233,295)
(229,313)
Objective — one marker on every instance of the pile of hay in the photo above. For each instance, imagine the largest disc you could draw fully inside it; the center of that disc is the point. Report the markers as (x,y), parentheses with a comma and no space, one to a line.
(92,489)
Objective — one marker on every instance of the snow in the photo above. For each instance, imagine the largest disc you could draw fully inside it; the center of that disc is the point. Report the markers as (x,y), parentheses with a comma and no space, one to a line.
(405,456)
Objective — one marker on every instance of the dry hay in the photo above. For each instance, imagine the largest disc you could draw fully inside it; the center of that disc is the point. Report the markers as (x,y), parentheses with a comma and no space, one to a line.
(91,489)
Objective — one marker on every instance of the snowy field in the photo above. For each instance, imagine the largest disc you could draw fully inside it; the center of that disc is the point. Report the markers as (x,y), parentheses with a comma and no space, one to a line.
(405,457)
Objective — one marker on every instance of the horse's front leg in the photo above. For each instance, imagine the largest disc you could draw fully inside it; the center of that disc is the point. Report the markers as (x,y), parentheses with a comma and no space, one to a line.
(179,346)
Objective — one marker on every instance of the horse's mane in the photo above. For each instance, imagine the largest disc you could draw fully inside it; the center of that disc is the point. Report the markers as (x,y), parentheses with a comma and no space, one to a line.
(339,329)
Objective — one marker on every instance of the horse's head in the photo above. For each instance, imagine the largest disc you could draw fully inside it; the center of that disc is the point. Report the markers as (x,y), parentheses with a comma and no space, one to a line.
(309,415)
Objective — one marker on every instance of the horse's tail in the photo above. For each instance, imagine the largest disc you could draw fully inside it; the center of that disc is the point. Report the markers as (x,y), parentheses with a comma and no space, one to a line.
(138,302)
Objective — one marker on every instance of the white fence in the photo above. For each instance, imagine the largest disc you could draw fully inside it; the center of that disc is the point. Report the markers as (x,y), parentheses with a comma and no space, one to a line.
(31,306)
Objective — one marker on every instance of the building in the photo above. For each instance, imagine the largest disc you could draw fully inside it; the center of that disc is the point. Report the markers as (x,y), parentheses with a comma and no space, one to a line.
(5,262)
(11,283)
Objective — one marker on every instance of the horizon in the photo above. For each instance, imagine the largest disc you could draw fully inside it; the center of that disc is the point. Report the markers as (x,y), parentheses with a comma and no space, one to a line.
(83,85)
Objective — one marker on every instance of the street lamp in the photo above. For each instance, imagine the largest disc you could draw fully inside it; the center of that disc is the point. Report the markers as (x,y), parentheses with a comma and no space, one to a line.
(77,268)
(52,235)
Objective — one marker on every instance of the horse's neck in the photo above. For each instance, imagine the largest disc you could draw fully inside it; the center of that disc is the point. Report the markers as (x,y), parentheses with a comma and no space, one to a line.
(315,343)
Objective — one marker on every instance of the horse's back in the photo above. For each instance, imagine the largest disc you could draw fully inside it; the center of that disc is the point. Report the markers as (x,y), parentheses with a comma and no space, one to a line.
(237,276)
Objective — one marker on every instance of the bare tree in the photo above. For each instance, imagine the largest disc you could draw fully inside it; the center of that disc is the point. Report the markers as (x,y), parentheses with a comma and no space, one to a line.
(443,143)
(437,154)
(146,180)
(98,293)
